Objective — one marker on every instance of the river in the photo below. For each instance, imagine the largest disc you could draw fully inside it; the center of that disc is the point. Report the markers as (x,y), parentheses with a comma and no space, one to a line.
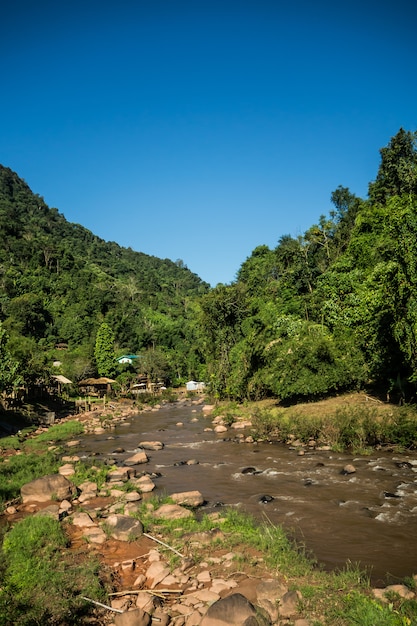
(368,517)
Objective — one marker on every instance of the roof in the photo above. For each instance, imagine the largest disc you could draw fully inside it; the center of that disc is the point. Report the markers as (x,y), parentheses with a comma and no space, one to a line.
(62,379)
(127,356)
(96,381)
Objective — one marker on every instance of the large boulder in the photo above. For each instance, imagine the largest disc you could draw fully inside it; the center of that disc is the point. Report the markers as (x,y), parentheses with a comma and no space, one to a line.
(124,527)
(235,610)
(189,498)
(52,487)
(172,511)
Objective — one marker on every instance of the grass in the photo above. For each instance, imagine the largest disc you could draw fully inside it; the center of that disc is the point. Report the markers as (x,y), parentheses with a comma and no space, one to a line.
(351,423)
(41,582)
(21,469)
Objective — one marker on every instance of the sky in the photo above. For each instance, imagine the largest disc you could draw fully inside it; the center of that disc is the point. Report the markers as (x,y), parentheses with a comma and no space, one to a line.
(199,130)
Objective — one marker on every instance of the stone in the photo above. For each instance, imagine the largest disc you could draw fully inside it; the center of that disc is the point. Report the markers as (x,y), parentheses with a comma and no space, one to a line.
(95,535)
(47,488)
(50,511)
(349,469)
(145,484)
(67,469)
(288,606)
(136,617)
(190,498)
(137,459)
(156,573)
(208,408)
(121,474)
(82,520)
(133,496)
(172,511)
(151,445)
(235,610)
(124,527)
(220,429)
(88,487)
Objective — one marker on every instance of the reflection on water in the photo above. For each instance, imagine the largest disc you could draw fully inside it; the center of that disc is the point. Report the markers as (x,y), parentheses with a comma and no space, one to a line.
(368,517)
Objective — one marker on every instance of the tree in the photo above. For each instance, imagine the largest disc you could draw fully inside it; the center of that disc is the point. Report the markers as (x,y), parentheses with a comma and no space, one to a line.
(397,174)
(8,365)
(104,351)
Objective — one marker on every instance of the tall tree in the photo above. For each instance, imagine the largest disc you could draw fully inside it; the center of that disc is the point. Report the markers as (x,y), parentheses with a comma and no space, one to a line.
(397,174)
(104,351)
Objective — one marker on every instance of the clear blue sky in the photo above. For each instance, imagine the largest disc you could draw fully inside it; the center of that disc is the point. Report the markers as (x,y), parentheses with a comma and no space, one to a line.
(199,130)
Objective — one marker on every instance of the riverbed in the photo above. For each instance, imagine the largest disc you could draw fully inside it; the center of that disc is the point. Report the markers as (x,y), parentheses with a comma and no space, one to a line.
(367,517)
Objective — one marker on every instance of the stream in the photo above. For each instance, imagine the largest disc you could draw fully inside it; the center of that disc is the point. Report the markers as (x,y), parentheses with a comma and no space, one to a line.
(369,517)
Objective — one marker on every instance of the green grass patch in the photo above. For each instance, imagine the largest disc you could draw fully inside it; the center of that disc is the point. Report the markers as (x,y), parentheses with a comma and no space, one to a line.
(41,582)
(18,470)
(56,434)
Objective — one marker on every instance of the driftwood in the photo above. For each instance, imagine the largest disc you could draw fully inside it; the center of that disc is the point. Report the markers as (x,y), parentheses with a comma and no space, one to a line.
(164,544)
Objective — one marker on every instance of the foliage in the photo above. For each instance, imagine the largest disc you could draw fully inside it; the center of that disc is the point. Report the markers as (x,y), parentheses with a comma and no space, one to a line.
(60,282)
(8,365)
(104,351)
(330,310)
(41,583)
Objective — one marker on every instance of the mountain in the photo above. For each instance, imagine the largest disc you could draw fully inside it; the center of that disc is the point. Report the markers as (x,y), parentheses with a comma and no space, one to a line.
(59,282)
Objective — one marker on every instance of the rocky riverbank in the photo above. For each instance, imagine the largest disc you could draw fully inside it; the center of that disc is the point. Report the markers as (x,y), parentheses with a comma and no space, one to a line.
(199,580)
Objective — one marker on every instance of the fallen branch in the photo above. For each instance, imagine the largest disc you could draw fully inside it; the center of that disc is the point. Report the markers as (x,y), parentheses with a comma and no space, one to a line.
(165,545)
(103,606)
(158,593)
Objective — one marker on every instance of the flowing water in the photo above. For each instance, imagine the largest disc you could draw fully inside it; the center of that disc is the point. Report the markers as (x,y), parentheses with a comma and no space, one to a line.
(369,517)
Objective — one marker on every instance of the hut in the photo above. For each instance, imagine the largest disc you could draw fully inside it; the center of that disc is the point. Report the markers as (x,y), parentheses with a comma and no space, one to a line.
(96,386)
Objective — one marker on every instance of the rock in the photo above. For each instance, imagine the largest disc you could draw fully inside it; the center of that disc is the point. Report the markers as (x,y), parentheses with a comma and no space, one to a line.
(123,527)
(190,498)
(121,474)
(82,520)
(47,488)
(11,510)
(207,409)
(156,573)
(67,469)
(94,534)
(151,445)
(220,429)
(288,605)
(145,484)
(401,590)
(133,496)
(136,617)
(265,499)
(88,487)
(349,469)
(267,594)
(241,424)
(235,610)
(137,459)
(49,511)
(172,511)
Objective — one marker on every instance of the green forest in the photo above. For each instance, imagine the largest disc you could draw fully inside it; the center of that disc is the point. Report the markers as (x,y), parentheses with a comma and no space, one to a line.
(329,311)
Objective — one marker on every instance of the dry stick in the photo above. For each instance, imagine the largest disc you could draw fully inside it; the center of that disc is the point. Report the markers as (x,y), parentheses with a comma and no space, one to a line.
(158,593)
(103,606)
(165,545)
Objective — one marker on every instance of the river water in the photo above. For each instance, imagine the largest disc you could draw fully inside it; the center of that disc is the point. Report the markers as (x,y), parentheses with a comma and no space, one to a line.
(369,517)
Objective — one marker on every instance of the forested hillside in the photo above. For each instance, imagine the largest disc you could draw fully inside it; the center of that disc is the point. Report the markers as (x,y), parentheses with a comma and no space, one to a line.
(59,283)
(331,310)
